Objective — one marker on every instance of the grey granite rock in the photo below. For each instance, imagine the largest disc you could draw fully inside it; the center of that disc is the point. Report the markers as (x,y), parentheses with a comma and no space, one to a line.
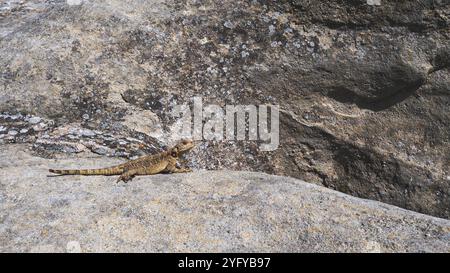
(363,89)
(202,211)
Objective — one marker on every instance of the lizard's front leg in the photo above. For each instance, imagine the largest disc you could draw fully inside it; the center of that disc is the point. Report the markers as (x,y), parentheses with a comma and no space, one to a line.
(182,170)
(172,168)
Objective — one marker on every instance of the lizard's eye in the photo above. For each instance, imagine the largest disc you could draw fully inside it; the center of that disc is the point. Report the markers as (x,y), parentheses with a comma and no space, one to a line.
(174,154)
(184,142)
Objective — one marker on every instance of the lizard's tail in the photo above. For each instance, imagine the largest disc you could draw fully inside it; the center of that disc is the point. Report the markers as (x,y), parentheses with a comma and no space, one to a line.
(103,171)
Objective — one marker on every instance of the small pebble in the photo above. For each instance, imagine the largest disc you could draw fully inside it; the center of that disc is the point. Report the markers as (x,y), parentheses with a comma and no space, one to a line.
(14,117)
(39,127)
(204,41)
(228,24)
(275,44)
(271,29)
(297,45)
(87,132)
(34,120)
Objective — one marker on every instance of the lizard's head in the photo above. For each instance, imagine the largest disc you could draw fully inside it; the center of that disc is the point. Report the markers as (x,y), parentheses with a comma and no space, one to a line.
(182,147)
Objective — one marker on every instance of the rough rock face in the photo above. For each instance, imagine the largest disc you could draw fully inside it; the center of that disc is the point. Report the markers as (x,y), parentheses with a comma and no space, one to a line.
(201,211)
(363,89)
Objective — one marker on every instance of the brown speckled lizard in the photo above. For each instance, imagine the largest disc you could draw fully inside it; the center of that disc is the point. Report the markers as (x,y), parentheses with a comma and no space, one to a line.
(164,162)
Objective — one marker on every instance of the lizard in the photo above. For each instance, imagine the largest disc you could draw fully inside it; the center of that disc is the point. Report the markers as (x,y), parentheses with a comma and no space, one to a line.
(163,162)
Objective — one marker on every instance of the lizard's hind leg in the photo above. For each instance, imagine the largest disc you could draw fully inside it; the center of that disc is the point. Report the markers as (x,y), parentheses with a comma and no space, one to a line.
(126,176)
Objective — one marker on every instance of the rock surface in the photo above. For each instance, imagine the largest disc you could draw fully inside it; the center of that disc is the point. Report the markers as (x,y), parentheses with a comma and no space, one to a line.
(363,89)
(202,211)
